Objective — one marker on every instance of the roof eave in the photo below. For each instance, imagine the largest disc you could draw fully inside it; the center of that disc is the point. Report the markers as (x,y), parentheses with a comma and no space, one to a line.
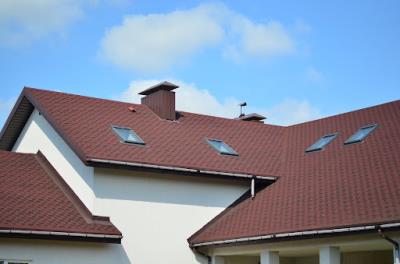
(16,125)
(299,235)
(64,236)
(95,162)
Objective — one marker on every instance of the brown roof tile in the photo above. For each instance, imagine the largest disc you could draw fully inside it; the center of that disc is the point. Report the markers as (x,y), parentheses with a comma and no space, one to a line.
(34,197)
(85,123)
(340,186)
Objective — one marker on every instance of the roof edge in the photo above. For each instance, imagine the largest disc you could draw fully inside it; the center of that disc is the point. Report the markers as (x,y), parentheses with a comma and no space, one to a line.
(18,125)
(95,161)
(54,125)
(297,234)
(70,194)
(345,113)
(69,236)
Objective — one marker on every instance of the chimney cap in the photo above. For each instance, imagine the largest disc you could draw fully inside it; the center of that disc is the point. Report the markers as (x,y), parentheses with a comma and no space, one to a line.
(252,117)
(167,86)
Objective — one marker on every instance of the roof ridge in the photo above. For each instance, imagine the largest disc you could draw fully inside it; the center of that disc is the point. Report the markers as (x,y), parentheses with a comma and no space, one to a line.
(347,112)
(27,88)
(208,115)
(138,104)
(231,119)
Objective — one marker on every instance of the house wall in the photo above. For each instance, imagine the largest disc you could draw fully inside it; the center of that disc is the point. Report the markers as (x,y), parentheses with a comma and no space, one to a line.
(242,260)
(156,213)
(37,135)
(51,252)
(359,257)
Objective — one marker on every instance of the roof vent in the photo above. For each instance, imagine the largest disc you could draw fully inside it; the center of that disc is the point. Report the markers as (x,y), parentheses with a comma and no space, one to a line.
(161,100)
(252,117)
(131,108)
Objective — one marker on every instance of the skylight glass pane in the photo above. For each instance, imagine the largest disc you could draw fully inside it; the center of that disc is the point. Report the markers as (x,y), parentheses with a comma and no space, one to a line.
(127,135)
(361,134)
(221,147)
(321,143)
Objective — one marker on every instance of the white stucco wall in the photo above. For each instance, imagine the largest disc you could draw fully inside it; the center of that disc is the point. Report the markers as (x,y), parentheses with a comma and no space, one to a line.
(38,134)
(157,213)
(51,252)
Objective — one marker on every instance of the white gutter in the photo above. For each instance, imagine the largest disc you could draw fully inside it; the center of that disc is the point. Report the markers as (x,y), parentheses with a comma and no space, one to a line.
(294,234)
(34,232)
(151,166)
(252,188)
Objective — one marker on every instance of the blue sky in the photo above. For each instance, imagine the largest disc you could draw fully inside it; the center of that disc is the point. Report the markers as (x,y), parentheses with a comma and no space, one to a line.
(290,60)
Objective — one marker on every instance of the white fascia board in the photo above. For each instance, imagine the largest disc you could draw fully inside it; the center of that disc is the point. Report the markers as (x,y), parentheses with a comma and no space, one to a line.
(151,166)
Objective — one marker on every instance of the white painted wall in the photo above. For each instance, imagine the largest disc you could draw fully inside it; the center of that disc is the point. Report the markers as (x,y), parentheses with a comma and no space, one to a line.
(359,257)
(51,252)
(157,213)
(38,134)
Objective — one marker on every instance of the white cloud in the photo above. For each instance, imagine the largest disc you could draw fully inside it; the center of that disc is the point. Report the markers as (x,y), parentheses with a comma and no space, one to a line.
(258,40)
(157,41)
(188,98)
(314,75)
(292,111)
(193,99)
(23,21)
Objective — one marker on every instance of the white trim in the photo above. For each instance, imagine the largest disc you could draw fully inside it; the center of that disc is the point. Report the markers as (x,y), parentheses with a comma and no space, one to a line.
(34,232)
(143,165)
(293,234)
(390,225)
(252,188)
(17,261)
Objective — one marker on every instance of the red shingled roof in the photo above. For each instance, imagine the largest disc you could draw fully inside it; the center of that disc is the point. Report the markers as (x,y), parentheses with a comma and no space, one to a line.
(85,124)
(341,186)
(34,201)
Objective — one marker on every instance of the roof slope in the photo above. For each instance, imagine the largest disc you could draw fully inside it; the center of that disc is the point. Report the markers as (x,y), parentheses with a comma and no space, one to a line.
(85,124)
(33,197)
(343,185)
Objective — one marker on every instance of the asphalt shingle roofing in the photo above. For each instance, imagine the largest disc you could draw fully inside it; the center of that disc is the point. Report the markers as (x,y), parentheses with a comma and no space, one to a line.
(341,185)
(86,125)
(33,197)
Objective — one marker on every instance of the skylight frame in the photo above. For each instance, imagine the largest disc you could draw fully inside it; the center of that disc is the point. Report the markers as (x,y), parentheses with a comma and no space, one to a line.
(139,140)
(230,152)
(350,140)
(313,148)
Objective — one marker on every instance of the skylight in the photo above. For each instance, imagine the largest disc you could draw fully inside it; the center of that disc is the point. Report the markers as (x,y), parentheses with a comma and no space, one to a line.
(127,135)
(361,134)
(322,142)
(222,147)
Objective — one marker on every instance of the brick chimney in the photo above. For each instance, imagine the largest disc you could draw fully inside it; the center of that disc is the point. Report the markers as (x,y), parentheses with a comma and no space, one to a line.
(161,100)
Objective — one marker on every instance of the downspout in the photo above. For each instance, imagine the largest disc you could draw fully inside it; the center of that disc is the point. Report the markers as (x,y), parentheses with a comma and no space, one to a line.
(395,245)
(203,254)
(253,187)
